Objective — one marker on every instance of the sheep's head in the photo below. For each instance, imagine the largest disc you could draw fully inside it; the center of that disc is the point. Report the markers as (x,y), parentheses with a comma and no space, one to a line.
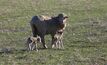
(61,20)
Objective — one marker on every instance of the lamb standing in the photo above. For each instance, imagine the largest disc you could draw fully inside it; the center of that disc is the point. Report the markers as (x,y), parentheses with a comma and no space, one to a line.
(32,43)
(58,40)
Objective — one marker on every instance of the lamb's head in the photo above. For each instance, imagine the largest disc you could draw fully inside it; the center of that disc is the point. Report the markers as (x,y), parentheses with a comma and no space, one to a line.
(34,40)
(38,39)
(58,35)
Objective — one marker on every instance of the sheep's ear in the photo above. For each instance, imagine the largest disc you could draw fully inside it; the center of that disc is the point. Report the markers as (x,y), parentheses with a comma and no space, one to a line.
(66,17)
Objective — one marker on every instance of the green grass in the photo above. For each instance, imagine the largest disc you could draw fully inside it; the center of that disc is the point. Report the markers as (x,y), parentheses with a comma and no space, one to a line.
(85,38)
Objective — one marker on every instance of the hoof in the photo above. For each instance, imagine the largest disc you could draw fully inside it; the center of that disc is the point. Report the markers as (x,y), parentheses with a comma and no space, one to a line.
(37,50)
(45,47)
(53,46)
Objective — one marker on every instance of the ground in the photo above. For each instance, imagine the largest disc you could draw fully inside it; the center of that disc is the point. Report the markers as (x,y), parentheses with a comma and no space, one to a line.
(85,37)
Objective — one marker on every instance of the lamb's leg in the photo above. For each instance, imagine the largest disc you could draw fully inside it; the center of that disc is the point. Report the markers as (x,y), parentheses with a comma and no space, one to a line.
(30,47)
(36,46)
(61,43)
(56,43)
(53,42)
(34,30)
(27,46)
(33,46)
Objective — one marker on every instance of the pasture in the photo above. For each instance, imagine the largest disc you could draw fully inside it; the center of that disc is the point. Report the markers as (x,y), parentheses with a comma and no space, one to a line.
(85,37)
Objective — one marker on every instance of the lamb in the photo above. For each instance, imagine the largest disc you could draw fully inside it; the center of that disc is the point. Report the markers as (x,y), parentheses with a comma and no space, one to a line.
(32,43)
(58,40)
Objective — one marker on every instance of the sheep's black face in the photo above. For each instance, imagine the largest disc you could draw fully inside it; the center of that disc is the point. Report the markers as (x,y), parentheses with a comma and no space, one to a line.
(62,19)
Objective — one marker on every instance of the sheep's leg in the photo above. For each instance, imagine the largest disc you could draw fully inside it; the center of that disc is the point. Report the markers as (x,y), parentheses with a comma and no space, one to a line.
(43,42)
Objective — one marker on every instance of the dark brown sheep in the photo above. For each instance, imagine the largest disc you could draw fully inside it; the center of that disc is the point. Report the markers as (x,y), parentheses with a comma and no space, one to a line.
(42,26)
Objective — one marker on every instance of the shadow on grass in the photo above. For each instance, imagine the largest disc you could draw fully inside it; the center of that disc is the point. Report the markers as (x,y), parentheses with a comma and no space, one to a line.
(13,50)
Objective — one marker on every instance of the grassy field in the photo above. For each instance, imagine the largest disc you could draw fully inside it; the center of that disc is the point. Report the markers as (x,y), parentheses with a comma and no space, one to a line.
(85,38)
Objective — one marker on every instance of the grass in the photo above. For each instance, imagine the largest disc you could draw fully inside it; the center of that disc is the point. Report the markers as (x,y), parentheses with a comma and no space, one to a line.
(84,38)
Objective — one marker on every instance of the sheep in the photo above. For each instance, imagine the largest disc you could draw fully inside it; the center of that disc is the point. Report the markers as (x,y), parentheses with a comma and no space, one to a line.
(32,43)
(42,26)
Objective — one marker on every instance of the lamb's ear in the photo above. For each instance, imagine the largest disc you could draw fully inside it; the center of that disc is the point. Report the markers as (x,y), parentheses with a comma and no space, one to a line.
(29,40)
